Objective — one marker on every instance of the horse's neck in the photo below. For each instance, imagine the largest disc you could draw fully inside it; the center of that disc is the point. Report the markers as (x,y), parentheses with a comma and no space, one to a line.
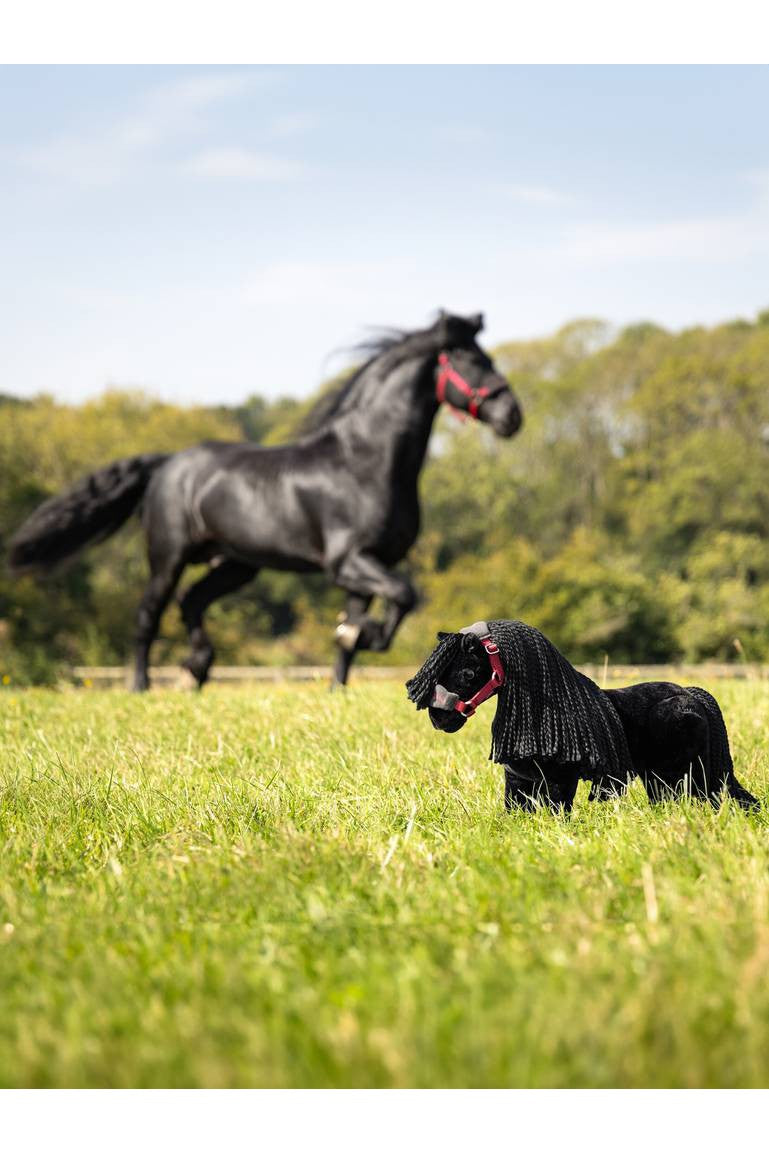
(394,413)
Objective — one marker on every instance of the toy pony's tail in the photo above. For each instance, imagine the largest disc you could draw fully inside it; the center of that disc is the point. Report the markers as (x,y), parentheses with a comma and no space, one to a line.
(720,756)
(91,510)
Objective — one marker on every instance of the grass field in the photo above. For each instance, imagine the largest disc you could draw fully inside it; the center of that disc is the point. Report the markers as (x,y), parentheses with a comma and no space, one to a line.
(279,887)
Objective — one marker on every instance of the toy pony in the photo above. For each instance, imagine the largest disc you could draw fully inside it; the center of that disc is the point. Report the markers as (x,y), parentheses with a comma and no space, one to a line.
(555,727)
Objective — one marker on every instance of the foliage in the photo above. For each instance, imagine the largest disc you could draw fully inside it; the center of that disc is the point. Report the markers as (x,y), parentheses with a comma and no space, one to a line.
(629,518)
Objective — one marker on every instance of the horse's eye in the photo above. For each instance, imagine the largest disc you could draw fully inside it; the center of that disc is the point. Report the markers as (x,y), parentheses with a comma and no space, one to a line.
(466,676)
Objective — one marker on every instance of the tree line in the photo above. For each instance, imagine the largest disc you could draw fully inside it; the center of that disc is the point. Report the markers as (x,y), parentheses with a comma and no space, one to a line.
(628,519)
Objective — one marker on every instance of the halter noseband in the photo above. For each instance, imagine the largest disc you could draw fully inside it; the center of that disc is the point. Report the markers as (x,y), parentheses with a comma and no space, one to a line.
(447,374)
(443,699)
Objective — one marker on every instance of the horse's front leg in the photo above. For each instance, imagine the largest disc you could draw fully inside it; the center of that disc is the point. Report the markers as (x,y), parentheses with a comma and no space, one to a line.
(364,577)
(347,636)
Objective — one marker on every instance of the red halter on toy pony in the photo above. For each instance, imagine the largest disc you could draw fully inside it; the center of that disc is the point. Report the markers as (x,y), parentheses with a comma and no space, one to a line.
(443,699)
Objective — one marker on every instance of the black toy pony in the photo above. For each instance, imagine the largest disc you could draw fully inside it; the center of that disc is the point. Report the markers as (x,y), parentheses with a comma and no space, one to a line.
(554,726)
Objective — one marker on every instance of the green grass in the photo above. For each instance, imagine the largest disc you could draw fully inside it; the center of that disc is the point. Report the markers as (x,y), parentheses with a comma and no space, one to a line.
(278,887)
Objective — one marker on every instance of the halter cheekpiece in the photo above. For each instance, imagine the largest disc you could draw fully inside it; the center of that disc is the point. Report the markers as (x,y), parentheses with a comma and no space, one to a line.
(443,699)
(447,374)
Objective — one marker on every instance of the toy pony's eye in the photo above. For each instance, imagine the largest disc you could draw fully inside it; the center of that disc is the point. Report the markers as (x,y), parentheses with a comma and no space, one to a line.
(466,677)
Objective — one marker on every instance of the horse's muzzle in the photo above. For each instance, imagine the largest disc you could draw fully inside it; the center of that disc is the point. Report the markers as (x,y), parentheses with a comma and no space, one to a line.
(503,413)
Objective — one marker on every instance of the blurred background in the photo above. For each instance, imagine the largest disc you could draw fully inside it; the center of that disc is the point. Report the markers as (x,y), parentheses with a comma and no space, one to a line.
(189,253)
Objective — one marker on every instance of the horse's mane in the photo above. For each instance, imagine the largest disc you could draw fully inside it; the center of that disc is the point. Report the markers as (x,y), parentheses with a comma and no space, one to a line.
(398,345)
(329,404)
(546,709)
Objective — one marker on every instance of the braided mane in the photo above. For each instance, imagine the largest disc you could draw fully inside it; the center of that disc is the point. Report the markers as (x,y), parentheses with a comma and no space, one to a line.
(548,710)
(420,687)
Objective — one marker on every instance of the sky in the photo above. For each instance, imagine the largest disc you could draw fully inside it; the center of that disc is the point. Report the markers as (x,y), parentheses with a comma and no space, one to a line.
(208,233)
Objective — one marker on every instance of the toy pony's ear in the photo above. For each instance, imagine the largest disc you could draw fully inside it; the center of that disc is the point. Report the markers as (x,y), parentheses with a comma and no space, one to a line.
(470,643)
(476,322)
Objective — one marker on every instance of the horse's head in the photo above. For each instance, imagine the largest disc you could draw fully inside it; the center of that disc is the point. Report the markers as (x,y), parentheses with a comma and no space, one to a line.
(457,670)
(467,380)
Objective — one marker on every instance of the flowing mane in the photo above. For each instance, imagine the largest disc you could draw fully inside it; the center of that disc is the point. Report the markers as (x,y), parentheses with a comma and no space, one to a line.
(328,405)
(396,345)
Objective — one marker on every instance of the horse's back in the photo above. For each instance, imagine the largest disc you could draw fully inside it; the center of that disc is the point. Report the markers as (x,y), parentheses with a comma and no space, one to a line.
(257,502)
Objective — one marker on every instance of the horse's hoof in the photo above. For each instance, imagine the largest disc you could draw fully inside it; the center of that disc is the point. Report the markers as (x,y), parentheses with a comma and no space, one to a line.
(186,680)
(347,635)
(198,665)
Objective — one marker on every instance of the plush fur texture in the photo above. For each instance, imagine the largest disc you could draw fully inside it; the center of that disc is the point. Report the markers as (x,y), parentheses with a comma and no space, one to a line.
(554,726)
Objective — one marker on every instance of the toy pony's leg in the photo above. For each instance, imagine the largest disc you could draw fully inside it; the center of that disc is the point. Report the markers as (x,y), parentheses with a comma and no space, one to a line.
(684,761)
(527,786)
(663,788)
(519,793)
(741,795)
(606,788)
(721,766)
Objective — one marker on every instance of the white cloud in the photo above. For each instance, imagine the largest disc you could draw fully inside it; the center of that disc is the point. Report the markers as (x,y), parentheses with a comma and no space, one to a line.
(166,113)
(242,164)
(693,241)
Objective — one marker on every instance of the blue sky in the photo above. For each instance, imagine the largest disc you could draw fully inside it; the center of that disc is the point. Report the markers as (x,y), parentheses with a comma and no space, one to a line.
(205,233)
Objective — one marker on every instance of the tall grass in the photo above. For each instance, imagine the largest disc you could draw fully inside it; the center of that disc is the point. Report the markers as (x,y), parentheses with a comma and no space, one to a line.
(279,887)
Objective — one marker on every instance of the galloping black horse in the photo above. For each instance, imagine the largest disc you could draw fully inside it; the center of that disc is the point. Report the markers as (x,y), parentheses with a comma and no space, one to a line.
(343,499)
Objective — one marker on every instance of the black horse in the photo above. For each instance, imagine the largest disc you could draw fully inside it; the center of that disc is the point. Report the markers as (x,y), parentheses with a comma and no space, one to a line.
(554,726)
(343,499)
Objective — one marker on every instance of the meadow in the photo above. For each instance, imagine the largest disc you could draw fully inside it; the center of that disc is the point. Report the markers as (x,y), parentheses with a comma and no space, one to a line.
(275,886)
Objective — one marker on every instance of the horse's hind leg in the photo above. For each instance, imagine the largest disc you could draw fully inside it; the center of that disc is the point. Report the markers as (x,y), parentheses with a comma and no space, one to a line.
(165,575)
(222,578)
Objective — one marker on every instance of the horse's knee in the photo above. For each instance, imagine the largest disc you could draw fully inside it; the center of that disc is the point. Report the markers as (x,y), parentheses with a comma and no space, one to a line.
(405,597)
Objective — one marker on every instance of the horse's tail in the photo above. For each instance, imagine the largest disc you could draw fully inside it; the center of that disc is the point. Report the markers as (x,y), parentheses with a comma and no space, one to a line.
(91,510)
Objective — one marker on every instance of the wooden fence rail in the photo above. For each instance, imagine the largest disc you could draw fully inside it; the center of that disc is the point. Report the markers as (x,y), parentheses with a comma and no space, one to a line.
(171,675)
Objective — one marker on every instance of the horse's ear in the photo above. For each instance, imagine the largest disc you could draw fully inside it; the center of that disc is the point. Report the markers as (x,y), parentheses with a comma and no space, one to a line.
(444,330)
(457,330)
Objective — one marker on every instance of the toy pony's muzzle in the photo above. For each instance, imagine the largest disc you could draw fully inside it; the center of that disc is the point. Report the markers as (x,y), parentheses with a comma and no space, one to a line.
(443,699)
(443,711)
(447,721)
